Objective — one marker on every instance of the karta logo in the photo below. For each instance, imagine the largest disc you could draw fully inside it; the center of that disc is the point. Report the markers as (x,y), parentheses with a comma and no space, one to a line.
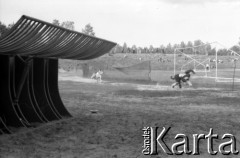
(153,142)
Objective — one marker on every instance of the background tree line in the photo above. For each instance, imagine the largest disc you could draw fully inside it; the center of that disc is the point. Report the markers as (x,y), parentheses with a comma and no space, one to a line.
(169,49)
(162,49)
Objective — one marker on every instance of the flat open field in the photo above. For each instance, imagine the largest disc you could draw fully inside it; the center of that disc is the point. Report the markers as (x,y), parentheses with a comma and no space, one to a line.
(108,118)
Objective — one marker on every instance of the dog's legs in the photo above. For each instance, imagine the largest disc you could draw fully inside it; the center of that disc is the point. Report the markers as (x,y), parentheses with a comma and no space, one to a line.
(179,84)
(174,84)
(93,76)
(189,83)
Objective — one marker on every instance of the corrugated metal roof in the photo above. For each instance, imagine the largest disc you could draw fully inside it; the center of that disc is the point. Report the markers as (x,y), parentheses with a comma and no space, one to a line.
(37,38)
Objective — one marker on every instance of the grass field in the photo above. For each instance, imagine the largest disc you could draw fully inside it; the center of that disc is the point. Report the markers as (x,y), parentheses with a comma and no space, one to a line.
(120,111)
(107,64)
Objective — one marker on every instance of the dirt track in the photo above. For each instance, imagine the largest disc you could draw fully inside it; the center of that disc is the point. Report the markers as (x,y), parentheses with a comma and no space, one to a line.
(122,111)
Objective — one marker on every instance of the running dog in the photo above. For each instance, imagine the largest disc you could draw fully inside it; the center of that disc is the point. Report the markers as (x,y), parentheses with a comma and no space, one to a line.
(97,76)
(182,77)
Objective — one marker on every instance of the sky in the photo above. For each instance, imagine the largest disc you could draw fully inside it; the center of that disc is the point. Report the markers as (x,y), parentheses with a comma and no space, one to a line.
(138,22)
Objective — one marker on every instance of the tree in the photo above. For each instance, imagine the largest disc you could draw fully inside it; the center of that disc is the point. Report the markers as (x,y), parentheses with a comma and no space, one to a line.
(124,50)
(197,42)
(199,50)
(4,28)
(56,22)
(212,51)
(151,49)
(129,50)
(235,49)
(175,46)
(189,50)
(222,52)
(182,44)
(117,49)
(169,49)
(162,49)
(68,25)
(134,49)
(145,50)
(139,50)
(88,30)
(189,44)
(208,49)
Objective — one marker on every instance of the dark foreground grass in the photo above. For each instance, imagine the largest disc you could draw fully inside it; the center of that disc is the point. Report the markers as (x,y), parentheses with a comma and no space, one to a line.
(115,131)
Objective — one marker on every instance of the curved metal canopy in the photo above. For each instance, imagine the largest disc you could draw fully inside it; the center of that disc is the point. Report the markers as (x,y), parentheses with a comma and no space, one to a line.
(36,38)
